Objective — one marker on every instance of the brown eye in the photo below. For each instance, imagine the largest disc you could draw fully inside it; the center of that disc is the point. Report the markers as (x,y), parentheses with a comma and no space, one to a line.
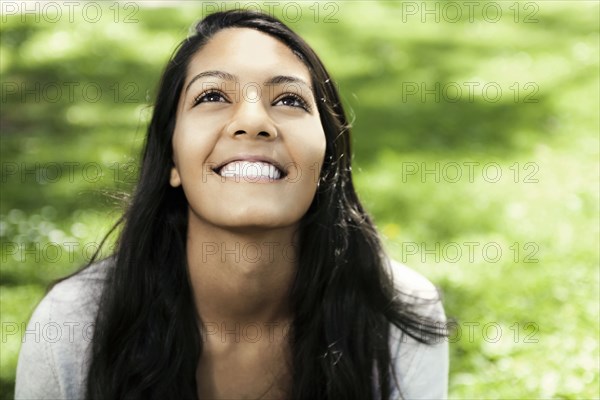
(210,97)
(292,100)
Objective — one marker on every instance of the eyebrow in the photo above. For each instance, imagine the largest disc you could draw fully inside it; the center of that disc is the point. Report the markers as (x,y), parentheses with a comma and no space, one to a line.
(280,79)
(226,76)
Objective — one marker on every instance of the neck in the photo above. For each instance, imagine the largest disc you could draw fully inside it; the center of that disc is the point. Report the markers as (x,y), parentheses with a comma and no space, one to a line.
(241,276)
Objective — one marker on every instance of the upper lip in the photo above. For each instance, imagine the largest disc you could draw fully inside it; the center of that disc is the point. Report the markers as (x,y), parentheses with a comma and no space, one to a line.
(251,158)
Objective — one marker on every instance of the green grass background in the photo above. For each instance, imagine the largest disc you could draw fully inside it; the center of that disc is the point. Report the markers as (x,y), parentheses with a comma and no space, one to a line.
(527,320)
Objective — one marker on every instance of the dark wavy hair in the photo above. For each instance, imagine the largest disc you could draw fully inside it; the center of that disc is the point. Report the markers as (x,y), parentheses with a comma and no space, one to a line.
(147,340)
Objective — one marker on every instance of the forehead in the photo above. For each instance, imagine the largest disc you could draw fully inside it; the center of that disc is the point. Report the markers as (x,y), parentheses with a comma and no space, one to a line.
(247,53)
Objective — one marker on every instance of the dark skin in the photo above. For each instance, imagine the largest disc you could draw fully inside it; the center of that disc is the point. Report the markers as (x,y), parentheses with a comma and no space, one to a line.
(242,233)
(246,315)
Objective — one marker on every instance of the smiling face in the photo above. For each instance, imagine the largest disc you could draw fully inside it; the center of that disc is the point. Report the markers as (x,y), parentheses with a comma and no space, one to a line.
(248,143)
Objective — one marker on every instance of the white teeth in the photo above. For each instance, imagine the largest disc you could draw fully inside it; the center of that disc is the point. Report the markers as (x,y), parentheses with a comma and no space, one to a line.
(252,170)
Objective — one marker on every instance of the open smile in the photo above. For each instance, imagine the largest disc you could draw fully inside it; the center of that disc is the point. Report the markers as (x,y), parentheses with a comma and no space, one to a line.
(251,168)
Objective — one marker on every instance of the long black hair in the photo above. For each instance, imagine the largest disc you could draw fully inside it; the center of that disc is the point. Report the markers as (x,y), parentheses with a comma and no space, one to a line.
(147,340)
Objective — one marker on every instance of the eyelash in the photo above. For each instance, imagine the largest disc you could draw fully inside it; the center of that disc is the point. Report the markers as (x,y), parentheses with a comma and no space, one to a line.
(199,99)
(303,104)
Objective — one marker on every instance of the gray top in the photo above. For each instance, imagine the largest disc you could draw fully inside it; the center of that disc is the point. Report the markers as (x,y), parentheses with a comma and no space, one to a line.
(54,357)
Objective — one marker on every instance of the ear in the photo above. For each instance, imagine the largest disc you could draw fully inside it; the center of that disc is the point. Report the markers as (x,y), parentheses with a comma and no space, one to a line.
(175,179)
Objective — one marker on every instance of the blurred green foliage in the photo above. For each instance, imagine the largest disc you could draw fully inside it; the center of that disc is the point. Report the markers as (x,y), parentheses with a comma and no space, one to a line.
(492,194)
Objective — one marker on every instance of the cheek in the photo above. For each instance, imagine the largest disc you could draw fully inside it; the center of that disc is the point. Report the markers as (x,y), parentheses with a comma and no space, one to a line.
(312,160)
(311,150)
(305,140)
(191,146)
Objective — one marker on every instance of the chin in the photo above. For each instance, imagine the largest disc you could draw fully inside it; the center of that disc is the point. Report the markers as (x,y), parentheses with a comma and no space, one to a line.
(250,218)
(261,221)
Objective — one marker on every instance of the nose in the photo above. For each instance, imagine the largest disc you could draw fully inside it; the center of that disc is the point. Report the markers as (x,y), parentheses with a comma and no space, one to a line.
(252,119)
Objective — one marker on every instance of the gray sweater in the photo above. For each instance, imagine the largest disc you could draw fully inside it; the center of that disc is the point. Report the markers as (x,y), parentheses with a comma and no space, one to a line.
(54,356)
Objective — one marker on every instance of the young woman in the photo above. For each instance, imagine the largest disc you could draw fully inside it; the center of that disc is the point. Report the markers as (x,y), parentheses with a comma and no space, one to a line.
(246,266)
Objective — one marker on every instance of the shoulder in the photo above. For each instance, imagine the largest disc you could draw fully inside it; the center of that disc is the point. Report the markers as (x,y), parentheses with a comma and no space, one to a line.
(421,369)
(52,360)
(416,290)
(74,299)
(79,293)
(410,281)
